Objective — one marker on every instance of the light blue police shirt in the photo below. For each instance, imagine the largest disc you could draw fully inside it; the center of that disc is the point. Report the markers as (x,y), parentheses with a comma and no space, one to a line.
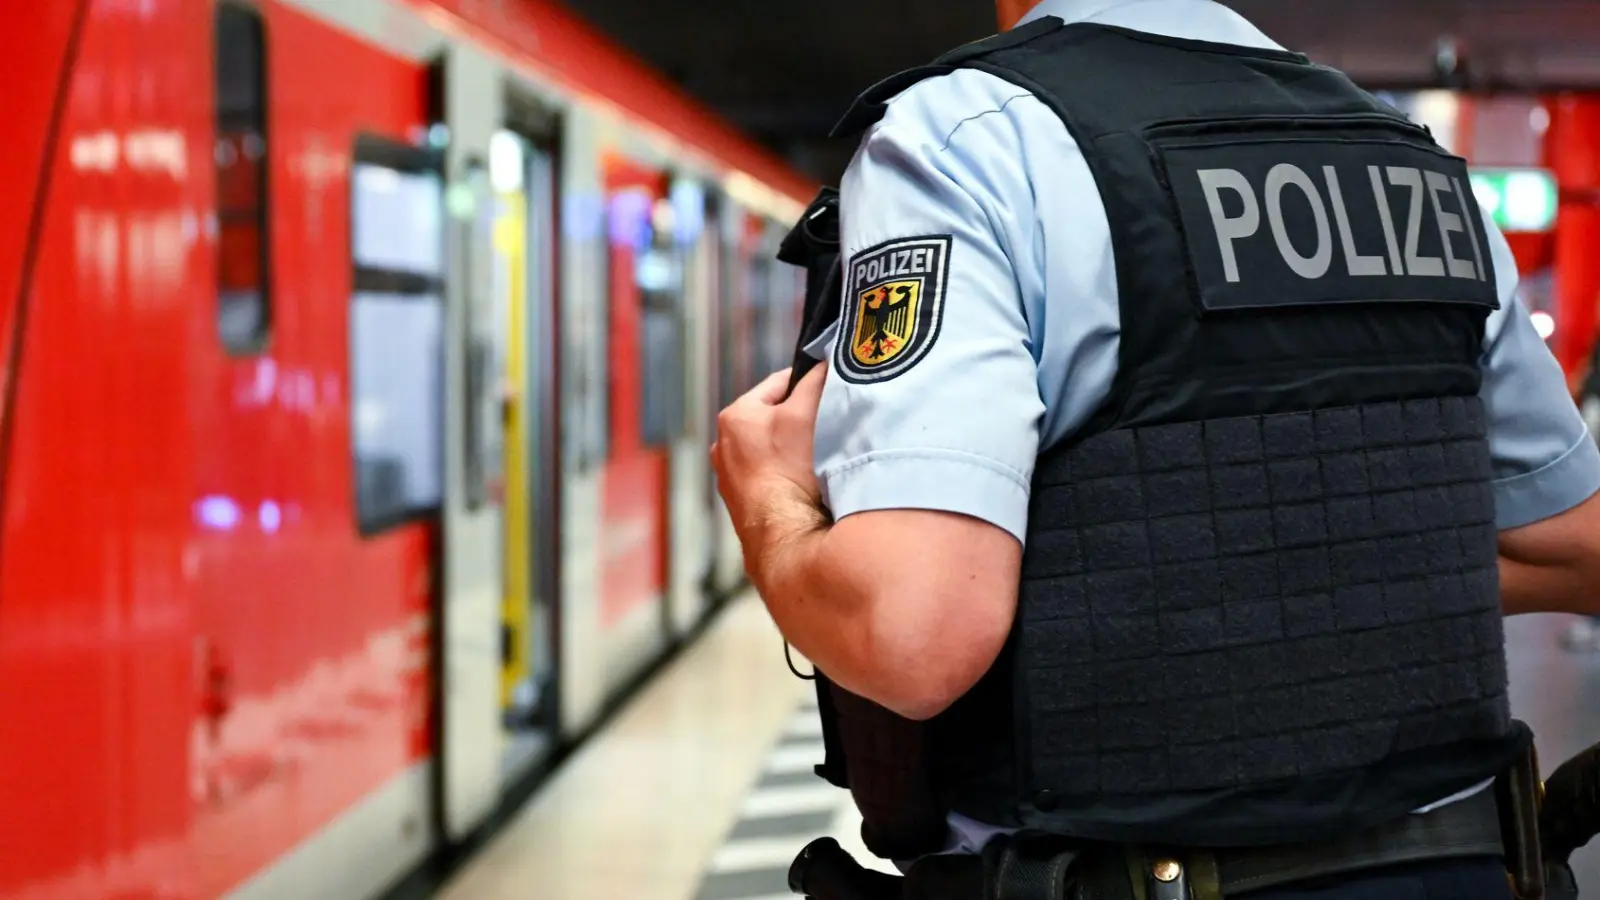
(1028,343)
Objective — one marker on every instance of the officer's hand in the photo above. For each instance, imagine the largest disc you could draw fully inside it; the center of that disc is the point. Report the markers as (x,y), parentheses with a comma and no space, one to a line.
(762,454)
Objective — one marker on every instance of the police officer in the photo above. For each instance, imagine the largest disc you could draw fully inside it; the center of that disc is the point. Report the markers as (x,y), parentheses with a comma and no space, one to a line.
(1178,417)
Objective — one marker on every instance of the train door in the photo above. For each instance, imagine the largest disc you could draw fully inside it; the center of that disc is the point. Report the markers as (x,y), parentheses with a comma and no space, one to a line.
(733,370)
(523,172)
(640,303)
(690,471)
(471,737)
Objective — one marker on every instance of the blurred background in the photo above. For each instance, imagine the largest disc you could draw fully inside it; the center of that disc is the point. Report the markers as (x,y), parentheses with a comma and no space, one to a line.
(358,359)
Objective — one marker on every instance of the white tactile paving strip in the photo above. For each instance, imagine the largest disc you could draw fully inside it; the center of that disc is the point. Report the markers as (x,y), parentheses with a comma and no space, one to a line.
(788,807)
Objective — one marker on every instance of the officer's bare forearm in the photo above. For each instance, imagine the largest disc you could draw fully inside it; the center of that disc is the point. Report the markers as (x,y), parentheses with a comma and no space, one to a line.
(1553,565)
(905,607)
(818,603)
(1529,588)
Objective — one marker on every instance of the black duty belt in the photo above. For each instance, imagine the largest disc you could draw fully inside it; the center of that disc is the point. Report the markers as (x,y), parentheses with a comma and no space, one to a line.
(1040,867)
(1468,827)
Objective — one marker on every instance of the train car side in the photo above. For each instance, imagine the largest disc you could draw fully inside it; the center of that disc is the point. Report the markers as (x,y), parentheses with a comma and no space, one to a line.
(225,564)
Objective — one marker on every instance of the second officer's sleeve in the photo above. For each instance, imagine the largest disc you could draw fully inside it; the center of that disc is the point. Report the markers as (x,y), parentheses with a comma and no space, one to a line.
(932,397)
(1545,461)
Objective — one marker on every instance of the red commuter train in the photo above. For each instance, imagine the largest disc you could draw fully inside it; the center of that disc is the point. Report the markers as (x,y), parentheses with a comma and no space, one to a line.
(357,364)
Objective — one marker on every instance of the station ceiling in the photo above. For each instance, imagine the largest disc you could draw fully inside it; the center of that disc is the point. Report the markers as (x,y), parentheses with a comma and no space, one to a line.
(784,70)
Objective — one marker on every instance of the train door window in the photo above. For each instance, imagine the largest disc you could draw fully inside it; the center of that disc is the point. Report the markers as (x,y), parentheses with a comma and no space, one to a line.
(782,327)
(742,328)
(659,272)
(472,206)
(729,288)
(396,333)
(589,218)
(243,309)
(759,276)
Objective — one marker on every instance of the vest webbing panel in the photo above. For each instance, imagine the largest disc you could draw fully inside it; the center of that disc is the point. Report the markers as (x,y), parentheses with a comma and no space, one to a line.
(1222,604)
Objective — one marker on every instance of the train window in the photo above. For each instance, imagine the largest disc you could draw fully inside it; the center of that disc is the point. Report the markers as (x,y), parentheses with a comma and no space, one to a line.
(785,294)
(243,308)
(396,333)
(728,288)
(738,326)
(659,273)
(761,315)
(472,209)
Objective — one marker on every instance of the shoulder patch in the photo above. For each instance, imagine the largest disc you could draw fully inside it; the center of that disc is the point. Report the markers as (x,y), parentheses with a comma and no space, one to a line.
(893,307)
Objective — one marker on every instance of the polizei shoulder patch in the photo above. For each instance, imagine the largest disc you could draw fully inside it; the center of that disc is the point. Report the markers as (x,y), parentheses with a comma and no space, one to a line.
(894,304)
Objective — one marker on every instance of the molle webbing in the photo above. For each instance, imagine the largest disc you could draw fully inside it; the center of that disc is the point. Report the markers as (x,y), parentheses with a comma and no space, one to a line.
(1212,604)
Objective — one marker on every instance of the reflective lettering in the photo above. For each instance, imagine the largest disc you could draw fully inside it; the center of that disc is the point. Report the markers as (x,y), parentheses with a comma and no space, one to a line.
(1315,265)
(1382,196)
(1354,261)
(1448,222)
(1230,229)
(1401,176)
(1472,230)
(1404,257)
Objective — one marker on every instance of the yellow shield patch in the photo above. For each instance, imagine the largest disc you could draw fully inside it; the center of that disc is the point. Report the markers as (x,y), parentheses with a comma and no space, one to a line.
(886,319)
(892,309)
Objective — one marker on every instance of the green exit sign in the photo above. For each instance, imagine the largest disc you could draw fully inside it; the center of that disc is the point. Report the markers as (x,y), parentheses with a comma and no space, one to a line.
(1517,199)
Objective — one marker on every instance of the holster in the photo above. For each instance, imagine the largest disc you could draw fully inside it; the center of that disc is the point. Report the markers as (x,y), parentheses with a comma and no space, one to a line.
(1517,796)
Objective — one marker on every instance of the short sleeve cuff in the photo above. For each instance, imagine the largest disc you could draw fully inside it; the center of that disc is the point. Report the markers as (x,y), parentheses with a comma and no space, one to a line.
(943,480)
(1550,491)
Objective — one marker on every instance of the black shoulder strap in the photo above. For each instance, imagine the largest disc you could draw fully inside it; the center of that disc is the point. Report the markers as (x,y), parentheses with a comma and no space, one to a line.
(869,107)
(813,245)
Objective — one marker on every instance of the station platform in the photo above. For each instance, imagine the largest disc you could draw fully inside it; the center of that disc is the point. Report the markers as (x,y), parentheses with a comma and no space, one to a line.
(702,789)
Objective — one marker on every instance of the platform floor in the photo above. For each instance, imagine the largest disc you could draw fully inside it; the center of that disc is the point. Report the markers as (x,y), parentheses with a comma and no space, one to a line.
(701,789)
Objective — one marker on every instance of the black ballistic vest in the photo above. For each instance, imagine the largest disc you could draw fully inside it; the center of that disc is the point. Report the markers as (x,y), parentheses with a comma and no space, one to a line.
(1259,598)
